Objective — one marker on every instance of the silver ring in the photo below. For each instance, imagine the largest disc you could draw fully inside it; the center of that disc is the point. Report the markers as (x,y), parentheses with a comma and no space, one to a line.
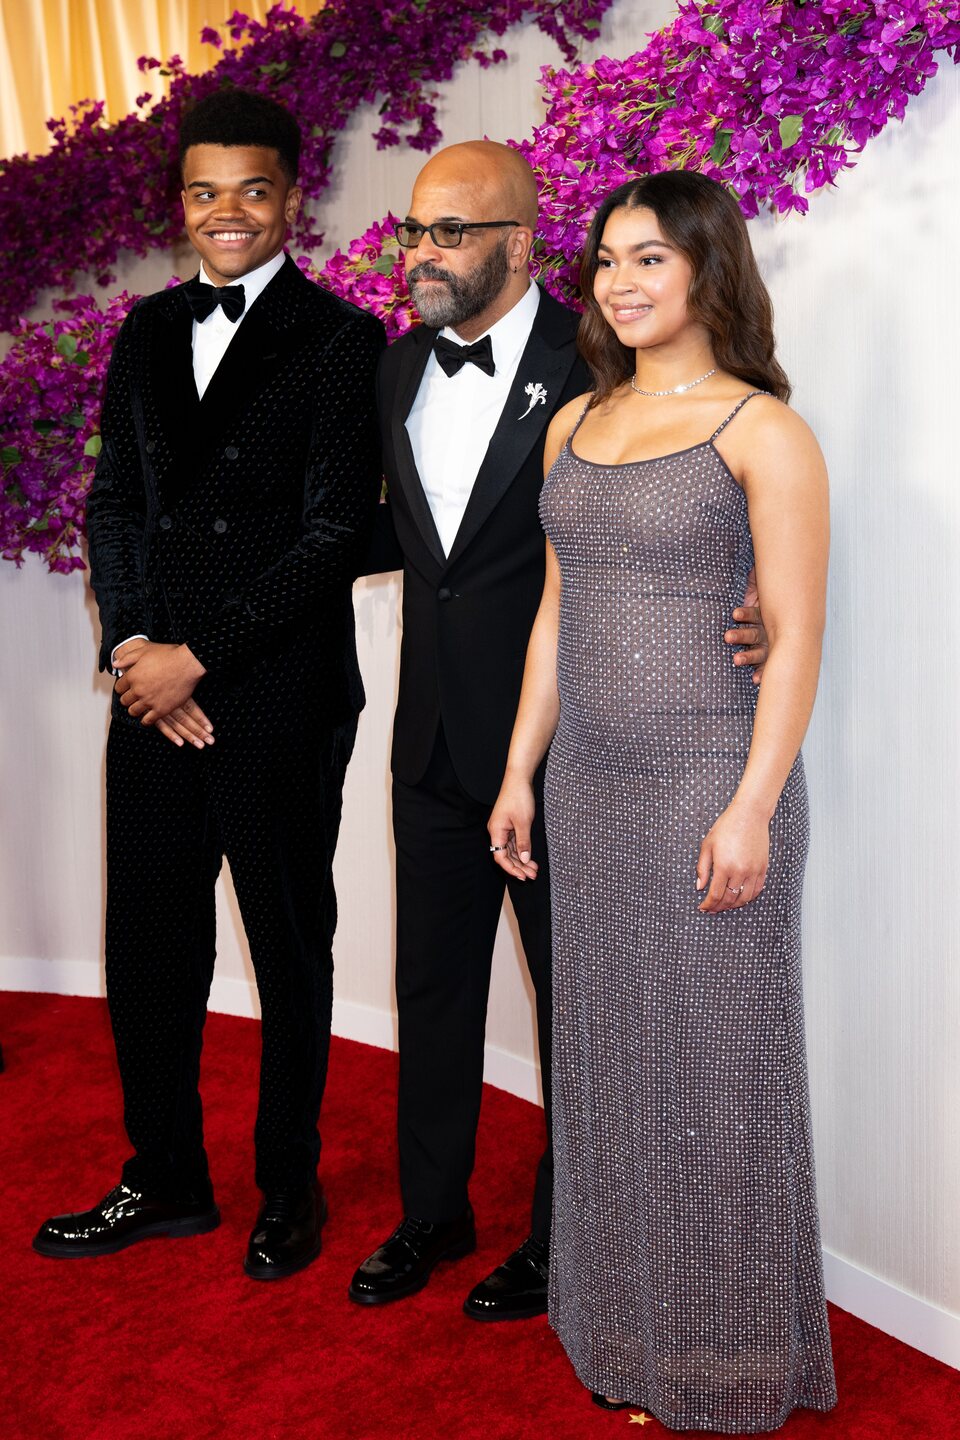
(735,890)
(495,848)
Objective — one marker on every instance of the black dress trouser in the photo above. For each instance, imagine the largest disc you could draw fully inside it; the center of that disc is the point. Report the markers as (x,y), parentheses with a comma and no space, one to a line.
(449,898)
(267,795)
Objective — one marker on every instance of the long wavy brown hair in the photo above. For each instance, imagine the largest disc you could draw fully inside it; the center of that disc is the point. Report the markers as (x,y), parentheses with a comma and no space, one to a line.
(727,294)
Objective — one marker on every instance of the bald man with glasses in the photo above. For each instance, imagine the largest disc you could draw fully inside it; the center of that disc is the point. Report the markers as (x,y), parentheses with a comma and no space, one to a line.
(465,400)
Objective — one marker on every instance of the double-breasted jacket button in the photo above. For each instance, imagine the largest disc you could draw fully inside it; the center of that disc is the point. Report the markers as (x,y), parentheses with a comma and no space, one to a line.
(220,527)
(444,594)
(150,446)
(231,452)
(165,522)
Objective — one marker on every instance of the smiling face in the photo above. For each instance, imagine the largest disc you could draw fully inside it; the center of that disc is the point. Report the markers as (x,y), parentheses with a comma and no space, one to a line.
(642,281)
(237,205)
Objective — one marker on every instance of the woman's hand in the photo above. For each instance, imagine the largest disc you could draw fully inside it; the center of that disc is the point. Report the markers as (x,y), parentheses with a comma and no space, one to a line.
(509,825)
(737,852)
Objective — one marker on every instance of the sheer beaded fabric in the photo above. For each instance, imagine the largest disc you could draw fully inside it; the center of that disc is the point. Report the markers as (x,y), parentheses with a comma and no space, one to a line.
(686,1272)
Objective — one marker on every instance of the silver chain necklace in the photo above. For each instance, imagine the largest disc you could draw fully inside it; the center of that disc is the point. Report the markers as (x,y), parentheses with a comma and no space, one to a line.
(677,389)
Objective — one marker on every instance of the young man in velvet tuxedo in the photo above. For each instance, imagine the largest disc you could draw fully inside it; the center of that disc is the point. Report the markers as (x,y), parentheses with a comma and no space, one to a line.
(238,479)
(465,401)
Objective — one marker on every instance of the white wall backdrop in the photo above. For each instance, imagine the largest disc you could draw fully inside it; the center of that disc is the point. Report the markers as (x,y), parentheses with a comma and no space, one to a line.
(868,306)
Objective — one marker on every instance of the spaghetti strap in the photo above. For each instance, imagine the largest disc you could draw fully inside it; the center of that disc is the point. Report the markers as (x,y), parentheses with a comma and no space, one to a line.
(580,419)
(735,411)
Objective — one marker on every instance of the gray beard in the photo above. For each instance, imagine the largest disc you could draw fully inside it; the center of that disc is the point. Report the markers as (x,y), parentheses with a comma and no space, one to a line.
(462,296)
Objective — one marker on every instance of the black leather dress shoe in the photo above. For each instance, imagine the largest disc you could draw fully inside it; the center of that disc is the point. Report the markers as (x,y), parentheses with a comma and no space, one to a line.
(122,1218)
(403,1264)
(517,1289)
(286,1237)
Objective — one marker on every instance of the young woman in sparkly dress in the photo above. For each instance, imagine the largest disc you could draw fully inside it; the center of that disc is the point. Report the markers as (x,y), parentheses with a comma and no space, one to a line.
(685,1268)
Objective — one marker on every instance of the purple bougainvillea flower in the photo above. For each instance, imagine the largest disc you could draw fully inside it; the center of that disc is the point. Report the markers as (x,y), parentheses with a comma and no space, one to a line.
(774,98)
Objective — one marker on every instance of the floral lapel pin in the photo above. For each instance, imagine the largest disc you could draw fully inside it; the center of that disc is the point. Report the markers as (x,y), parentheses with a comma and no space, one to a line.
(538,396)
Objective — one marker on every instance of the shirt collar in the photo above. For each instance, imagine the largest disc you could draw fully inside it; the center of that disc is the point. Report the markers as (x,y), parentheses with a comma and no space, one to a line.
(510,333)
(255,281)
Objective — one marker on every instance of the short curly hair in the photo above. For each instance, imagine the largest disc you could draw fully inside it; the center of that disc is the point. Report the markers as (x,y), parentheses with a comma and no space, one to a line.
(232,116)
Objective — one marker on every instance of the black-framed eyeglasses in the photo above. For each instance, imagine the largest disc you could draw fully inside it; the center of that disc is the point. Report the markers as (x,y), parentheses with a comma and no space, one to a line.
(445,234)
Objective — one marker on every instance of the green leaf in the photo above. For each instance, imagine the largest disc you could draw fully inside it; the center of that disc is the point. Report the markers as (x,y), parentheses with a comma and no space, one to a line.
(338,50)
(384,263)
(721,145)
(93,446)
(77,419)
(66,346)
(43,427)
(713,23)
(10,455)
(834,136)
(791,127)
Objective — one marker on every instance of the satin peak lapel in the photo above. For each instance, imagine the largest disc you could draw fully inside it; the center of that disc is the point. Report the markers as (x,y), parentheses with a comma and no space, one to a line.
(415,362)
(169,365)
(252,358)
(540,377)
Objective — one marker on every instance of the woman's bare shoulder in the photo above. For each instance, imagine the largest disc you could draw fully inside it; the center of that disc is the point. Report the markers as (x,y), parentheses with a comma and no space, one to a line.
(567,416)
(773,420)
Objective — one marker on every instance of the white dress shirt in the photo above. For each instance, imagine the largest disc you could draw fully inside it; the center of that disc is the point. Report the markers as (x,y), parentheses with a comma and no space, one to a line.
(453,417)
(212,336)
(210,340)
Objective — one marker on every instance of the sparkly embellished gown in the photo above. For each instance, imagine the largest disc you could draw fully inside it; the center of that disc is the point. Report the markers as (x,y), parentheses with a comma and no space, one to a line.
(685,1268)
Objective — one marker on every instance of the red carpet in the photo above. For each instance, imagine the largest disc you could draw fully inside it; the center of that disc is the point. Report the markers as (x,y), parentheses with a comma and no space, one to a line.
(169,1341)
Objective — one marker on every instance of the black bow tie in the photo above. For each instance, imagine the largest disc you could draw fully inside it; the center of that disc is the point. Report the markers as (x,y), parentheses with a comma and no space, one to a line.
(451,358)
(204,299)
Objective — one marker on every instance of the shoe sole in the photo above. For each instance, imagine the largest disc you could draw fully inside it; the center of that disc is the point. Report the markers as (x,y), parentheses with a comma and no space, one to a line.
(280,1272)
(486,1318)
(456,1252)
(172,1229)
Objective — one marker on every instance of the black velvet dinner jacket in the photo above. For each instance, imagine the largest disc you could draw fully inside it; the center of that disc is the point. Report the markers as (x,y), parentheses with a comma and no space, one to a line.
(235,523)
(467,616)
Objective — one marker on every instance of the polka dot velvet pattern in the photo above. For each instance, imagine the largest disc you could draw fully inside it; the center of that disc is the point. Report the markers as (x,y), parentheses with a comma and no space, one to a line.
(685,1266)
(234,524)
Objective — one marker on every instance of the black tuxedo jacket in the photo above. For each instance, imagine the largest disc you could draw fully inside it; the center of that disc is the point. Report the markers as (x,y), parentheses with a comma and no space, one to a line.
(467,616)
(236,523)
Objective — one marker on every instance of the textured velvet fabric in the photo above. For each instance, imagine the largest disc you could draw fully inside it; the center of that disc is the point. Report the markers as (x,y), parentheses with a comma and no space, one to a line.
(236,523)
(233,524)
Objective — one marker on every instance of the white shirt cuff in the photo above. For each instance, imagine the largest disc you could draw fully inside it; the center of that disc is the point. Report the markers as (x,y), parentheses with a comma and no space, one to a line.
(113,652)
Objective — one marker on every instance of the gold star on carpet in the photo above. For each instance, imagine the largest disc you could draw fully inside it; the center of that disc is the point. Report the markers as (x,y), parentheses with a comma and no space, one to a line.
(642,1419)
